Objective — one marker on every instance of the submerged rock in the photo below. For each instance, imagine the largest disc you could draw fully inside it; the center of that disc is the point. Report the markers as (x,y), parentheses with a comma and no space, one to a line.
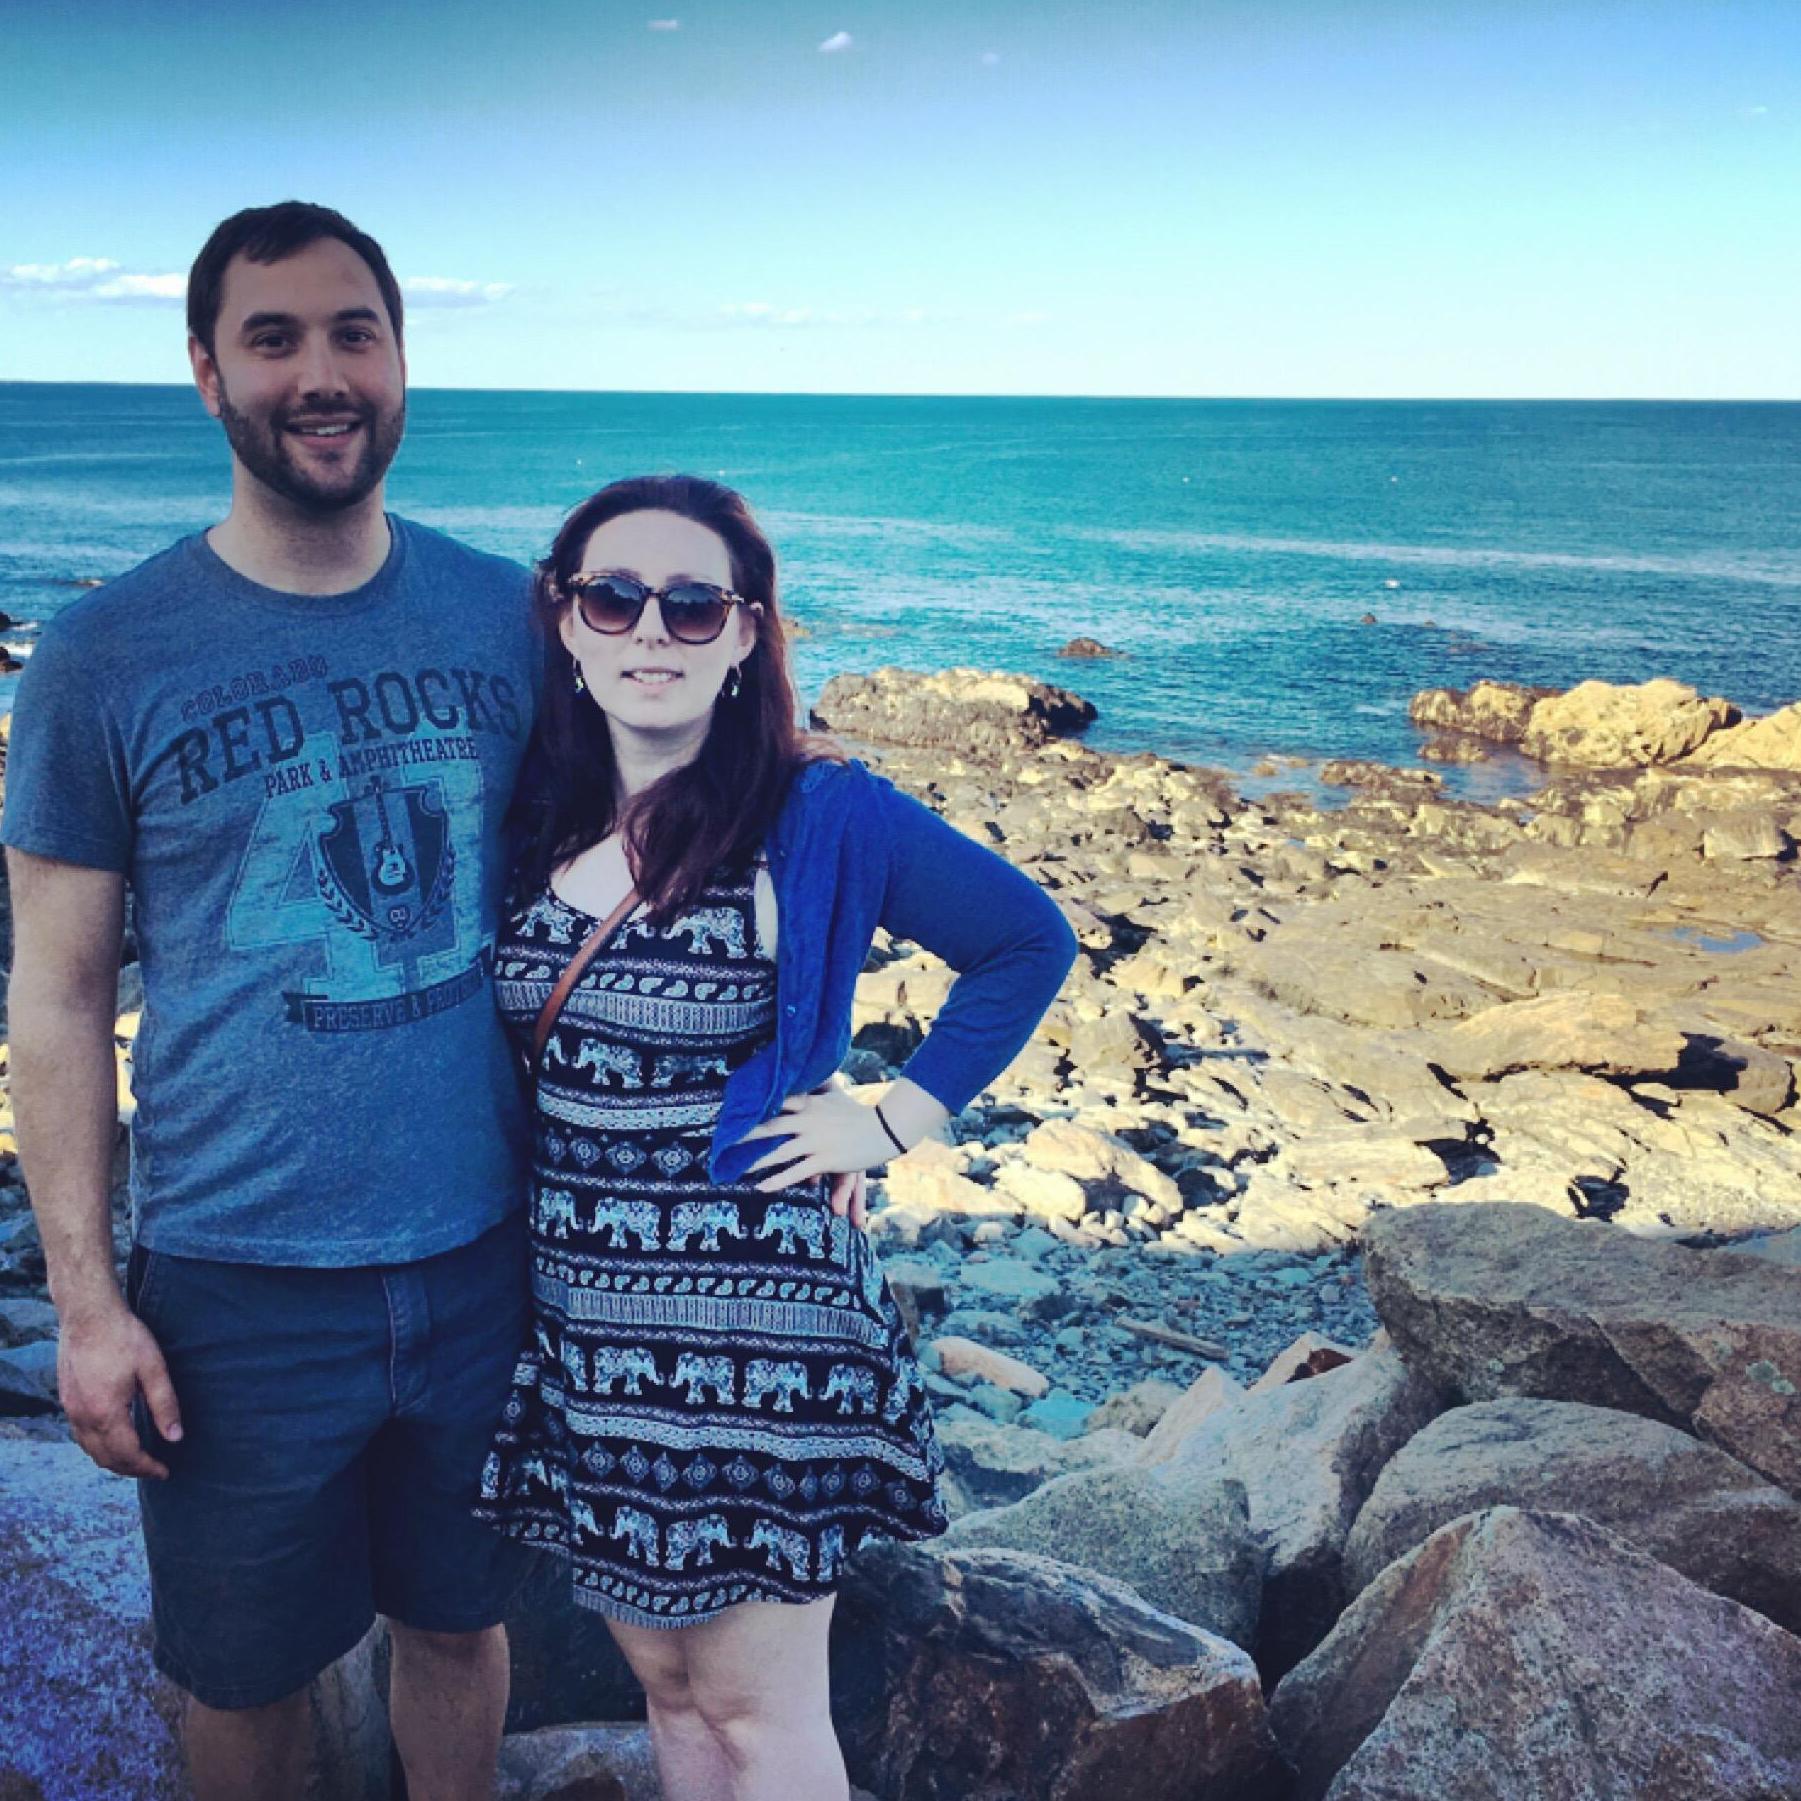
(969,710)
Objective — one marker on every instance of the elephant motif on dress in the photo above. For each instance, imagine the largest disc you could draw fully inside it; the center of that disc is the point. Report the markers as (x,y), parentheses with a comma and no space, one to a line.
(630,1363)
(871,1278)
(791,1222)
(831,1552)
(706,927)
(680,1065)
(851,1386)
(767,1375)
(608,1060)
(708,1218)
(700,1373)
(780,1542)
(639,1531)
(556,1212)
(639,1219)
(697,1536)
(840,1240)
(582,1516)
(901,1392)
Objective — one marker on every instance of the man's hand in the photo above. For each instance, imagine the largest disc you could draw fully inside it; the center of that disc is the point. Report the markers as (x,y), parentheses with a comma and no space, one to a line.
(103,1362)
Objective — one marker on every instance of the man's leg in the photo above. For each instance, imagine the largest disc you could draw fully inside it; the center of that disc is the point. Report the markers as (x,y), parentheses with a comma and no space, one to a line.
(250,1753)
(443,1579)
(447,1701)
(258,1540)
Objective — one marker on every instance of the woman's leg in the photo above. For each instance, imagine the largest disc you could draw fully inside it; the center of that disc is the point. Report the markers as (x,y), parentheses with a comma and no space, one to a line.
(691,1763)
(757,1675)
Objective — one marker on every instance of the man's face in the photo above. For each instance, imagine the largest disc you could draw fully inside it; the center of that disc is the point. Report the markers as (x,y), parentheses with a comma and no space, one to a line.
(306,376)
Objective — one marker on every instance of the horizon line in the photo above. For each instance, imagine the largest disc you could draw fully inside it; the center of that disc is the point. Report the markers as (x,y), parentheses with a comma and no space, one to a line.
(8,381)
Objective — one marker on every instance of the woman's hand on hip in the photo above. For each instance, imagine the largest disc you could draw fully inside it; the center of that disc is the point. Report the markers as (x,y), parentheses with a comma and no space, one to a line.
(825,1133)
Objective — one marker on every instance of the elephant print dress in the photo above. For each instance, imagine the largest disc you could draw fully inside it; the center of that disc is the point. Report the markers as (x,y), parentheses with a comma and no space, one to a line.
(720,1401)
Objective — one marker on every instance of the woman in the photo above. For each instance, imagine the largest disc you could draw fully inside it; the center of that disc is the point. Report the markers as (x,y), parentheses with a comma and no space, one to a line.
(720,1402)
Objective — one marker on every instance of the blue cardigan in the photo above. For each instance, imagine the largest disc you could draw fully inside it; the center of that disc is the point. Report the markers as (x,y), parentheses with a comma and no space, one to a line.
(850,852)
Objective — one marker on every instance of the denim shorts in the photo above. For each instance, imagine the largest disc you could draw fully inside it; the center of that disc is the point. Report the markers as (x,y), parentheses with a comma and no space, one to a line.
(334,1425)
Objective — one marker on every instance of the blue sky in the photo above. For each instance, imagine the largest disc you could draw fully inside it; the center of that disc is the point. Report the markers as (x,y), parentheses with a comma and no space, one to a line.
(1182,197)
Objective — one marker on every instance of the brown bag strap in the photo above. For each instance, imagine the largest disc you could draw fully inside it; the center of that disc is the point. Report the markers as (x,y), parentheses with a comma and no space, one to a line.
(578,964)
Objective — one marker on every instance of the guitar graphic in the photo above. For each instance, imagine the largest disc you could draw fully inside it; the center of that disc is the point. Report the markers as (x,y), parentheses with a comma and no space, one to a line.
(389,870)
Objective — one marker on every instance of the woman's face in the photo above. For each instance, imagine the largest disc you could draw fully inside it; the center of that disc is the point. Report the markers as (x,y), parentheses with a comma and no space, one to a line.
(644,679)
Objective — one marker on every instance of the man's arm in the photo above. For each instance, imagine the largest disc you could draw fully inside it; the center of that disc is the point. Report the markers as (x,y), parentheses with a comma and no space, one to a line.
(68,922)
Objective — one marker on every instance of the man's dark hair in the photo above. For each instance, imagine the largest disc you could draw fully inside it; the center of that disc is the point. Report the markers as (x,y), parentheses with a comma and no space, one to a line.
(266,234)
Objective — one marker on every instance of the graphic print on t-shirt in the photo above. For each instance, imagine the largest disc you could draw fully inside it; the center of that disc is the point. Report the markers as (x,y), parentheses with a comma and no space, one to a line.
(366,850)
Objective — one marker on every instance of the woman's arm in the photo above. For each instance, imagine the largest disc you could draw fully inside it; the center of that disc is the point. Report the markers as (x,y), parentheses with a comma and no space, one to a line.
(1005,937)
(1011,948)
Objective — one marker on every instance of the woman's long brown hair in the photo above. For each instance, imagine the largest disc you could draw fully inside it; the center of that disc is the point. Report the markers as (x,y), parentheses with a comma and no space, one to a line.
(714,811)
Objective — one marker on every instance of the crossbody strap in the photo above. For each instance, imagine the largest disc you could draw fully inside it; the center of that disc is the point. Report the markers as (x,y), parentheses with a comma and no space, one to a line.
(590,948)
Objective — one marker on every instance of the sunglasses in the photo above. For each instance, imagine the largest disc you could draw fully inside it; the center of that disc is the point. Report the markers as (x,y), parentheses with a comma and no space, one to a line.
(693,612)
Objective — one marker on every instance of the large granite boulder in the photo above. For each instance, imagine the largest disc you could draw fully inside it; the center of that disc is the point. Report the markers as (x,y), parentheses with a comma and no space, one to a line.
(996,1675)
(83,1713)
(1772,742)
(1519,1656)
(608,1762)
(1210,1391)
(1602,726)
(1308,1454)
(1497,711)
(1496,1298)
(1186,1549)
(996,1464)
(1669,1495)
(972,711)
(1604,1033)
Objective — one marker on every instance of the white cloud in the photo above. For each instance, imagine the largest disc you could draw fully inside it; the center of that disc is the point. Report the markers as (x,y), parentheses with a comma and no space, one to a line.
(760,312)
(1752,112)
(441,290)
(663,24)
(143,287)
(78,273)
(839,40)
(94,278)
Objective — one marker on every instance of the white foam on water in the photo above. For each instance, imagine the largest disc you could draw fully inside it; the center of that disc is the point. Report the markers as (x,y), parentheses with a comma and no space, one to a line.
(1777,570)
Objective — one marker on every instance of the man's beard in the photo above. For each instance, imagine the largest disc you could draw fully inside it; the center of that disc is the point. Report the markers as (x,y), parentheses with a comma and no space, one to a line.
(262,446)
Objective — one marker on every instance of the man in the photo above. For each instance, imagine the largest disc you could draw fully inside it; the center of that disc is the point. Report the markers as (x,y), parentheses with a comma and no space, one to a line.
(293,737)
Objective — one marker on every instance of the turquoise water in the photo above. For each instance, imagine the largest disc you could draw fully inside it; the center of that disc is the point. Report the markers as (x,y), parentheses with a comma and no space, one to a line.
(1230,548)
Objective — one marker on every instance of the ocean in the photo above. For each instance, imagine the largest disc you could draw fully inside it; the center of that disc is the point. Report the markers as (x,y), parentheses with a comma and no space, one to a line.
(1234,551)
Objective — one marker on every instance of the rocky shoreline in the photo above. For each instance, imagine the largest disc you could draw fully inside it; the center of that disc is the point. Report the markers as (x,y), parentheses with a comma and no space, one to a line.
(1294,1032)
(1286,1018)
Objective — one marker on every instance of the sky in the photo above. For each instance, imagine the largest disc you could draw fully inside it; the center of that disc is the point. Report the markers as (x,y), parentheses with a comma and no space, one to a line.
(1127,197)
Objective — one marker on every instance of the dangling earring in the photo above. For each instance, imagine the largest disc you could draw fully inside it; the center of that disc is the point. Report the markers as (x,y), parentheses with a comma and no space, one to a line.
(734,682)
(581,687)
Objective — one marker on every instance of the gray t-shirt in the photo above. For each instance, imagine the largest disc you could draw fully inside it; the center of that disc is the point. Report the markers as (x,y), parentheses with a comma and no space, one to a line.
(306,794)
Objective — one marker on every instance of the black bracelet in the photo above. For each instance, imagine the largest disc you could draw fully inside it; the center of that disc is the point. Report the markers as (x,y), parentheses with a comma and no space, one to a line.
(892,1139)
